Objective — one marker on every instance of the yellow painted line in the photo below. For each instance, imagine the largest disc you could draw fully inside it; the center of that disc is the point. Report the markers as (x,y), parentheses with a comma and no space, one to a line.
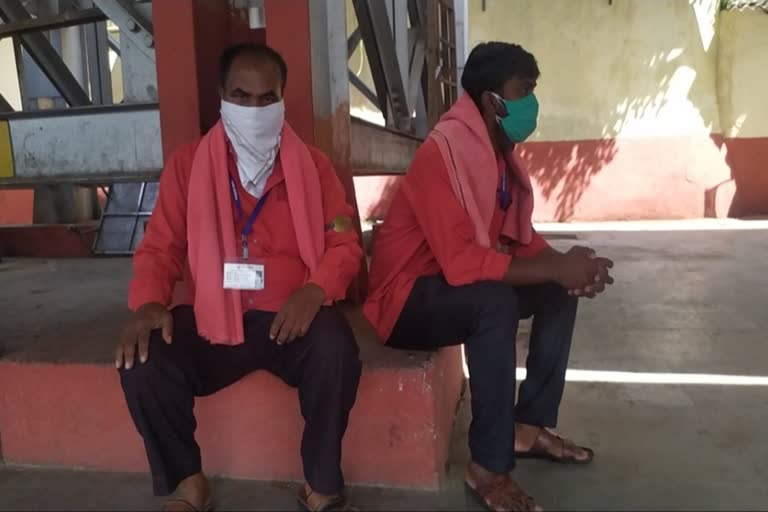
(6,152)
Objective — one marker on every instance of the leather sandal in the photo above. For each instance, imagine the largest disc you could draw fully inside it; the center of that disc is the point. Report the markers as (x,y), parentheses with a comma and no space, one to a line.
(337,503)
(182,504)
(551,447)
(502,494)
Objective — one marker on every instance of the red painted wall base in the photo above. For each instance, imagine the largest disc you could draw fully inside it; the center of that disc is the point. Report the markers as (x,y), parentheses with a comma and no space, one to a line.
(630,179)
(74,415)
(16,206)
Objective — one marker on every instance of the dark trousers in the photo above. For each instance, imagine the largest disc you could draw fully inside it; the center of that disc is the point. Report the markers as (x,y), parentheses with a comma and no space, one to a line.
(484,316)
(324,365)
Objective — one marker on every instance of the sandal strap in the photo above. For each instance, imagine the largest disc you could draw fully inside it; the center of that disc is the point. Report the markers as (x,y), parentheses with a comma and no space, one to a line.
(185,503)
(337,503)
(566,447)
(511,494)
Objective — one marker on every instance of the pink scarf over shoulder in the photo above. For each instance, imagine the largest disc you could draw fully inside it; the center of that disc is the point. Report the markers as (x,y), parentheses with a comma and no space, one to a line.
(462,137)
(211,233)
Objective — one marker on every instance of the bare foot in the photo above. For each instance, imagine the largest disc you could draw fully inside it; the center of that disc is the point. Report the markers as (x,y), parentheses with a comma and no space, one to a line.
(193,493)
(498,491)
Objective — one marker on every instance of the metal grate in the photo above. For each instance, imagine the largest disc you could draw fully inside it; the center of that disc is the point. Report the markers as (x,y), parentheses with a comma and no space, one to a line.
(744,5)
(441,58)
(128,208)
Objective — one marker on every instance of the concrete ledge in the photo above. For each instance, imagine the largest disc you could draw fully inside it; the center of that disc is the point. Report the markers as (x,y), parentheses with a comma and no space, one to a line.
(61,402)
(74,415)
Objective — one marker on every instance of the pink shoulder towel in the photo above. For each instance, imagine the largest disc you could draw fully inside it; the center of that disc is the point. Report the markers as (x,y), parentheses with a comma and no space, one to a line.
(211,233)
(466,149)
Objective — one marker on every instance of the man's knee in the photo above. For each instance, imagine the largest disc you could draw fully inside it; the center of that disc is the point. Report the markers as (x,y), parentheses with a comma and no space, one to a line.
(556,295)
(147,374)
(494,299)
(333,343)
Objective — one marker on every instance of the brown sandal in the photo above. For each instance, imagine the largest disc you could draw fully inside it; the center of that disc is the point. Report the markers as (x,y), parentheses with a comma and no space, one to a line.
(547,446)
(337,503)
(187,506)
(502,494)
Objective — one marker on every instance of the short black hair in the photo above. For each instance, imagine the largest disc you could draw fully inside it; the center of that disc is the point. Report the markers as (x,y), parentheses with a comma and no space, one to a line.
(491,64)
(256,50)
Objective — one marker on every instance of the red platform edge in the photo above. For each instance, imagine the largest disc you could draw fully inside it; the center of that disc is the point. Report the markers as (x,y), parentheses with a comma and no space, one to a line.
(48,240)
(74,415)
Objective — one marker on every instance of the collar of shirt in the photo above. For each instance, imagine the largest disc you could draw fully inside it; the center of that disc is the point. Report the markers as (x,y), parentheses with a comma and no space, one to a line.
(272,179)
(258,185)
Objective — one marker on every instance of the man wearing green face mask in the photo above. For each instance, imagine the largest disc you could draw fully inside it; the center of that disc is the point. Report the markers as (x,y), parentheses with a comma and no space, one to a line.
(457,261)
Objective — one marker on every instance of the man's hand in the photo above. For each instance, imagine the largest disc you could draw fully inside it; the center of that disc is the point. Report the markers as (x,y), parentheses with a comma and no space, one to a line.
(297,314)
(582,272)
(138,330)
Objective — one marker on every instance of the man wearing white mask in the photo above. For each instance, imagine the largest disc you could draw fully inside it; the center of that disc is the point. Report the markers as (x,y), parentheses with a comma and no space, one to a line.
(256,226)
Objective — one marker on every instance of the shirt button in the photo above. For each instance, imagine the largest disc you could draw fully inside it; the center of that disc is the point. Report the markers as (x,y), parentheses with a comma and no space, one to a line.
(250,301)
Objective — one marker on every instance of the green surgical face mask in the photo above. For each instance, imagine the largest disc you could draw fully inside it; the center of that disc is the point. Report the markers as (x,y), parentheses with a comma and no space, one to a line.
(520,121)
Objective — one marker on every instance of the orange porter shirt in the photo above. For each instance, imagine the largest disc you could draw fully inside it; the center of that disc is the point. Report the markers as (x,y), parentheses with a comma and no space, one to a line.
(161,260)
(427,232)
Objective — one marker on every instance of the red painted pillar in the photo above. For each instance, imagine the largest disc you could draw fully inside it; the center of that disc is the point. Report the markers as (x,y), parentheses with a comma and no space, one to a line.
(288,33)
(189,37)
(301,31)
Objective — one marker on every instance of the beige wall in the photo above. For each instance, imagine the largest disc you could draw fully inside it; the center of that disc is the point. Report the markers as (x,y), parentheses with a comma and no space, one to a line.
(743,73)
(9,83)
(637,68)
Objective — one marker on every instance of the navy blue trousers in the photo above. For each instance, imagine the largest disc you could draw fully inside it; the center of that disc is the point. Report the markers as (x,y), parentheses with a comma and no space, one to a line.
(485,316)
(324,365)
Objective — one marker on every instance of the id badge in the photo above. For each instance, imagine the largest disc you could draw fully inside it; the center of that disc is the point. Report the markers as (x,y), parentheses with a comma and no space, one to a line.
(243,275)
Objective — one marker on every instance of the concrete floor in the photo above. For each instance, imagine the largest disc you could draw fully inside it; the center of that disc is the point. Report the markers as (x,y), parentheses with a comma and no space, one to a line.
(687,305)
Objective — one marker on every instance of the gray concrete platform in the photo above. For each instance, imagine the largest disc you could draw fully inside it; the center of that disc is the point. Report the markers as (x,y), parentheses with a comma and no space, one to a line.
(70,310)
(687,306)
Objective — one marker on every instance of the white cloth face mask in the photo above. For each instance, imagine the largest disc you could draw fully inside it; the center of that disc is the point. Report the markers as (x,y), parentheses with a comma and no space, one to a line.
(255,134)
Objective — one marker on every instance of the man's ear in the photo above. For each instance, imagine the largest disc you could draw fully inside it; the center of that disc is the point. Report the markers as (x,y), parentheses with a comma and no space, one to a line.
(489,103)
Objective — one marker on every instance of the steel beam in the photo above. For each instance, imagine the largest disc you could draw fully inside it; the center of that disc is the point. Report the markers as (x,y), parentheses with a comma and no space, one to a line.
(365,25)
(462,39)
(353,42)
(380,151)
(133,25)
(114,44)
(96,145)
(397,14)
(85,145)
(330,102)
(376,29)
(12,11)
(433,64)
(418,53)
(4,105)
(364,90)
(65,19)
(97,52)
(416,13)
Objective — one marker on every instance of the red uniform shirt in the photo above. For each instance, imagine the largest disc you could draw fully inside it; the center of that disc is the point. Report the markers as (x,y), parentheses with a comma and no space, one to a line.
(427,232)
(161,259)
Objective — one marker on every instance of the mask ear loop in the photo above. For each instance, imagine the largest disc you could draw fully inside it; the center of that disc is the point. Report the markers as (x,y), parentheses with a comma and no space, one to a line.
(500,102)
(505,141)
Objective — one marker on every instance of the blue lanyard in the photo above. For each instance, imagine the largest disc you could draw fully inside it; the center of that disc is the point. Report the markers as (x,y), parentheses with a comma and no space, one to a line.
(505,197)
(248,226)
